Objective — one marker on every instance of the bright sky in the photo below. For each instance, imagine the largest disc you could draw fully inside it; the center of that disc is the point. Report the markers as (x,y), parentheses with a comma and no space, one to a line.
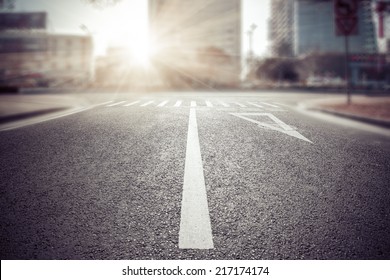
(128,20)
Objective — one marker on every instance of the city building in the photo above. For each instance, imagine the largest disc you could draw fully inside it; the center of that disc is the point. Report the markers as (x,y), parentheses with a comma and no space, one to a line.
(382,19)
(301,27)
(281,25)
(7,5)
(30,56)
(198,40)
(387,34)
(42,59)
(306,28)
(314,29)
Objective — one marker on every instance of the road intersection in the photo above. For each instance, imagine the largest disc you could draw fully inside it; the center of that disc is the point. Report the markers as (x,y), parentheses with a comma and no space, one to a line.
(194,177)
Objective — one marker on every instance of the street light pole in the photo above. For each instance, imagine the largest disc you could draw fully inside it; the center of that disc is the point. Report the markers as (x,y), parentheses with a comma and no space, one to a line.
(250,32)
(347,75)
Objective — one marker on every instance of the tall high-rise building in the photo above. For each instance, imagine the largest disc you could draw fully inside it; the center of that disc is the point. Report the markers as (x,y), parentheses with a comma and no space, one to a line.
(308,26)
(382,18)
(200,39)
(314,28)
(281,26)
(387,34)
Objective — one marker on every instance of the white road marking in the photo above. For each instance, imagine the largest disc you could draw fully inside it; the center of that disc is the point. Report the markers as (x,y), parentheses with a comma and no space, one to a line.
(281,126)
(240,104)
(44,118)
(104,103)
(132,103)
(193,103)
(224,104)
(162,104)
(147,103)
(178,103)
(209,104)
(281,104)
(271,105)
(195,226)
(256,105)
(114,104)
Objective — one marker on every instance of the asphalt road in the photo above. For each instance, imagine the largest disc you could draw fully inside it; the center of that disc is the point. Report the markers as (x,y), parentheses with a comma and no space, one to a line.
(107,183)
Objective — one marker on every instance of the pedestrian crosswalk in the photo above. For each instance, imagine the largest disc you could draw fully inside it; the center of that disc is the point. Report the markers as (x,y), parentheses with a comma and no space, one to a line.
(268,105)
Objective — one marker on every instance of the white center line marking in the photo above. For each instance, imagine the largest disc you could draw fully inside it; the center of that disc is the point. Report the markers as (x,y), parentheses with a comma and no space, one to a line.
(162,104)
(256,105)
(271,105)
(195,226)
(178,103)
(147,103)
(132,103)
(114,104)
(193,103)
(209,104)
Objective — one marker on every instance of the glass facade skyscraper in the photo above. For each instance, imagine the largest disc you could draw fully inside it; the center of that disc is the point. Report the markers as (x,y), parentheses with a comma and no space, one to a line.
(314,29)
(307,26)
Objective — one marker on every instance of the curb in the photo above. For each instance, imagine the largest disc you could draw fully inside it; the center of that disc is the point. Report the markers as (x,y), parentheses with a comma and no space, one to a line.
(378,122)
(21,116)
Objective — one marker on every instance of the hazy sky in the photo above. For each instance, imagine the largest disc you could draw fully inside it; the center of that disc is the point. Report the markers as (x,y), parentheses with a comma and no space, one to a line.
(128,20)
(257,12)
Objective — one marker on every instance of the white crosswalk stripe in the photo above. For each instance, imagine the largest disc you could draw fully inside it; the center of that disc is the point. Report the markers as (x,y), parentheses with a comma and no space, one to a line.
(115,104)
(281,104)
(256,105)
(147,103)
(209,104)
(178,103)
(132,103)
(162,104)
(240,104)
(268,104)
(199,103)
(224,104)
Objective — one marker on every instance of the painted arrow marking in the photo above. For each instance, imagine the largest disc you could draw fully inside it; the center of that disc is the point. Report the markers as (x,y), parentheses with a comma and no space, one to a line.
(277,125)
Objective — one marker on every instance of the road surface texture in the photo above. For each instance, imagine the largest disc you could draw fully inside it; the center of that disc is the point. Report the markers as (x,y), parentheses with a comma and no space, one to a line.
(194,176)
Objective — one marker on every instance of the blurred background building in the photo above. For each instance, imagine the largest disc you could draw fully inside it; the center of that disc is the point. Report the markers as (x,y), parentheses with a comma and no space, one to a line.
(314,28)
(299,27)
(280,26)
(40,59)
(199,42)
(32,57)
(382,9)
(305,32)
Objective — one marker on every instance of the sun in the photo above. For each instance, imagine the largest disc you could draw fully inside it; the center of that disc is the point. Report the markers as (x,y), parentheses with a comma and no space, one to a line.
(142,51)
(126,26)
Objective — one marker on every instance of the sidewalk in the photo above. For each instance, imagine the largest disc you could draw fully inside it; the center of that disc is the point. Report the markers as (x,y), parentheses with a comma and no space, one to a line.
(373,110)
(20,106)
